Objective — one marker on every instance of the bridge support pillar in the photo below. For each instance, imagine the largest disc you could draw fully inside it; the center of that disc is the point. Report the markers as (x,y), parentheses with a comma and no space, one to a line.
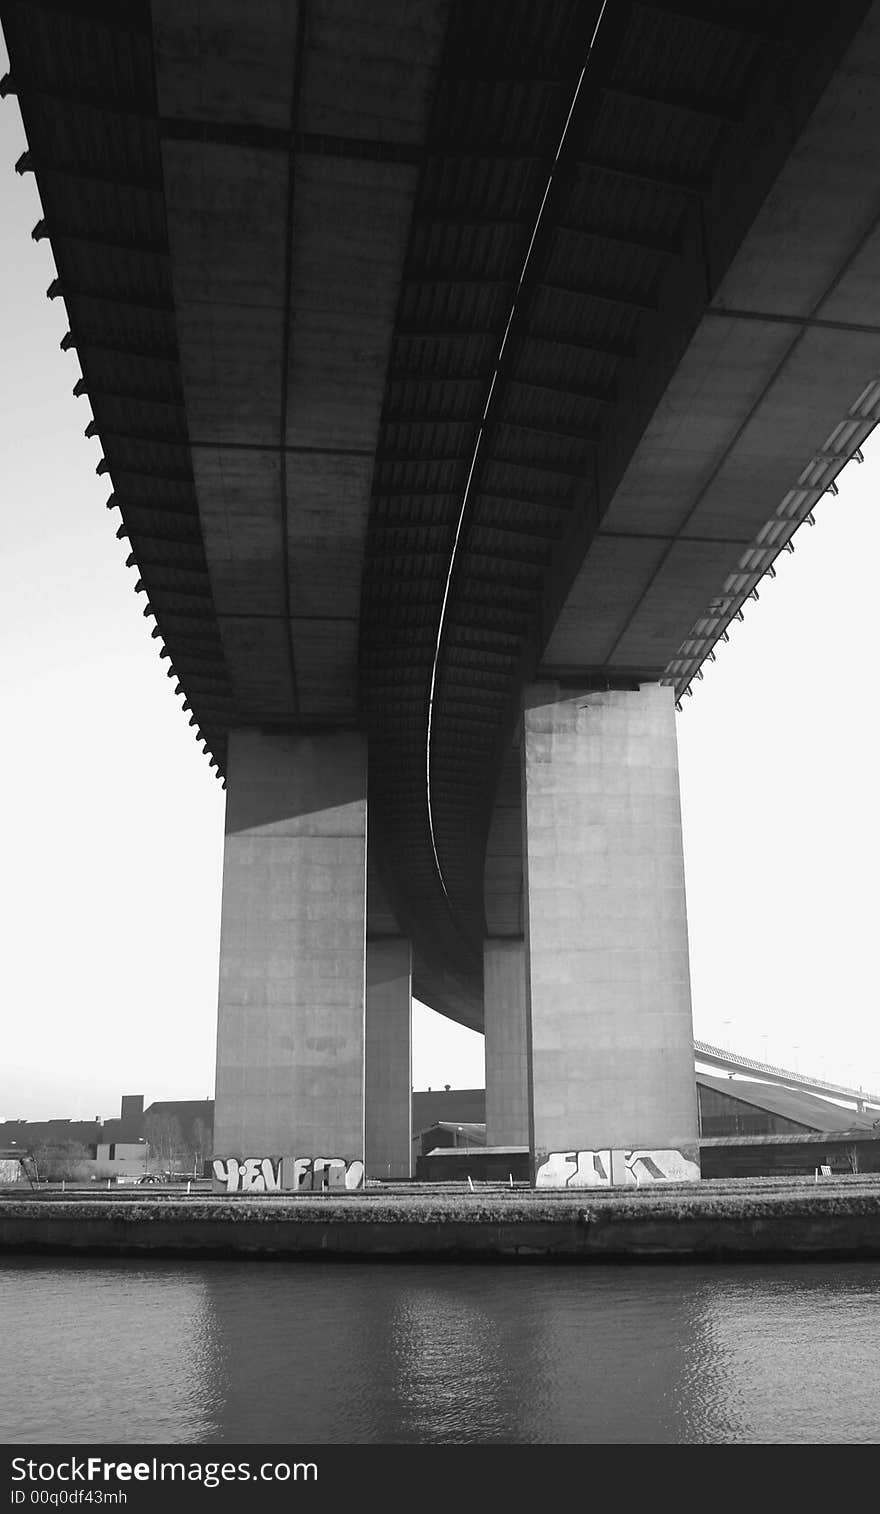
(388,1075)
(289,1110)
(610,1037)
(504,1013)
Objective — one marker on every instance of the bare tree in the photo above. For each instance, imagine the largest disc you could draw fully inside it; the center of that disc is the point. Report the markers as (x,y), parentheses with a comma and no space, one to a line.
(202,1142)
(54,1162)
(165,1141)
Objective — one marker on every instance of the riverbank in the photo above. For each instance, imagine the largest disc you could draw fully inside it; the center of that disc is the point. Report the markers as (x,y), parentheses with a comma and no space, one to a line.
(724,1221)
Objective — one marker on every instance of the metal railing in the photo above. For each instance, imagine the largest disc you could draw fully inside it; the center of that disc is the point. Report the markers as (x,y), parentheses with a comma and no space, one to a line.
(732,1059)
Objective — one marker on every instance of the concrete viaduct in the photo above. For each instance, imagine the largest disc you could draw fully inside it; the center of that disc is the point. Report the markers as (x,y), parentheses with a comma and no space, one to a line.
(460,369)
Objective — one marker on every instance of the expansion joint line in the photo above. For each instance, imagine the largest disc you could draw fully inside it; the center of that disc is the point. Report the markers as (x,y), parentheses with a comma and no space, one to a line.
(478,444)
(296,88)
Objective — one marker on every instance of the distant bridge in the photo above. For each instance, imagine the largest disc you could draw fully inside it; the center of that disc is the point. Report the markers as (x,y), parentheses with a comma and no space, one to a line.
(731,1061)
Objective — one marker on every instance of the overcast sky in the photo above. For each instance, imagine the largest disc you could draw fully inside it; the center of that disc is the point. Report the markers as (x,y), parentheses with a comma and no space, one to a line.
(113,822)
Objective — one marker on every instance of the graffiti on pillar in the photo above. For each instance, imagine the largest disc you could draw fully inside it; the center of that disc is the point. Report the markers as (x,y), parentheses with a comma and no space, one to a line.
(575,1169)
(286,1174)
(622,1168)
(669,1165)
(11,1170)
(325,1175)
(250,1175)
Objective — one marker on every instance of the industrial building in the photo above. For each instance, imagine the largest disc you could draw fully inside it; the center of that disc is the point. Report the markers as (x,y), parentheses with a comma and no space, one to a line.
(747,1128)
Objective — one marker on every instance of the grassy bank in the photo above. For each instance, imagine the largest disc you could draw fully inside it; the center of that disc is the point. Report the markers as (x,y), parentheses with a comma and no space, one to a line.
(498,1207)
(839,1217)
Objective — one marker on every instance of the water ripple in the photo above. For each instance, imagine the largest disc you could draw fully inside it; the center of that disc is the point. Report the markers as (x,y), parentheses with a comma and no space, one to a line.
(280,1353)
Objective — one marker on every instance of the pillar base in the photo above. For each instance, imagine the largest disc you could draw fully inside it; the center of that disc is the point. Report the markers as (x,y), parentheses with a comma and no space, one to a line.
(624,1167)
(286,1174)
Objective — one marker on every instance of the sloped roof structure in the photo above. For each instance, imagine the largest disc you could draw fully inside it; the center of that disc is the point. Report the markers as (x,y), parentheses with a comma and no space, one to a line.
(792,1104)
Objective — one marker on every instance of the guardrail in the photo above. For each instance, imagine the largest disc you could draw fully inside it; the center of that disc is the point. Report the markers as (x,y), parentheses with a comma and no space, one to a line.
(750,1064)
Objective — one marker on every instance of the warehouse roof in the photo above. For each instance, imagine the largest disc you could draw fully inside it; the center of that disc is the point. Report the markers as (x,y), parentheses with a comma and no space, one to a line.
(791,1104)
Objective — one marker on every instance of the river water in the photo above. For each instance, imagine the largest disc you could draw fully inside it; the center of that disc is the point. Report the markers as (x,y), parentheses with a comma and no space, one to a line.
(305,1353)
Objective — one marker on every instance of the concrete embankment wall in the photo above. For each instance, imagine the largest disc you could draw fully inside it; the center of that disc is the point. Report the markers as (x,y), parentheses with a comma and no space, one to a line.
(843,1221)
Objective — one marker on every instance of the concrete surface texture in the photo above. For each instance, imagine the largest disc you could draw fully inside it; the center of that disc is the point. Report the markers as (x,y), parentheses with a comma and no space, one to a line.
(290,1044)
(286,273)
(504,1008)
(388,1067)
(608,983)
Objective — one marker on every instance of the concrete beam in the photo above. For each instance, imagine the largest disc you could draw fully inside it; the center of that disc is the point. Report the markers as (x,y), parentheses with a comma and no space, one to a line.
(388,1072)
(504,1007)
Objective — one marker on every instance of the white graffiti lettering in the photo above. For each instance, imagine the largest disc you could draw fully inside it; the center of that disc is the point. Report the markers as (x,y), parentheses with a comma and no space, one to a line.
(252,1175)
(607,1168)
(326,1174)
(286,1174)
(659,1166)
(575,1169)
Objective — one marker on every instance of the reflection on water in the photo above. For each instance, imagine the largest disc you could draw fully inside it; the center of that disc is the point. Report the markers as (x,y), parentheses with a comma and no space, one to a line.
(105,1351)
(286,1353)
